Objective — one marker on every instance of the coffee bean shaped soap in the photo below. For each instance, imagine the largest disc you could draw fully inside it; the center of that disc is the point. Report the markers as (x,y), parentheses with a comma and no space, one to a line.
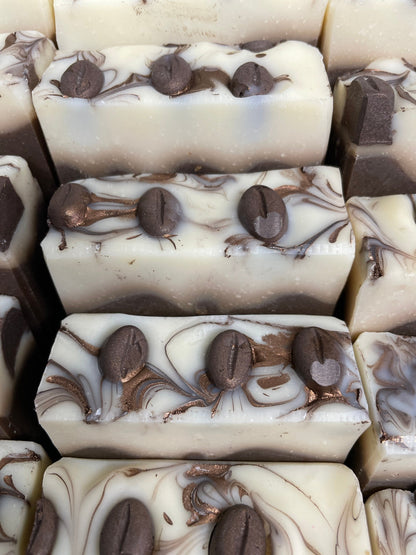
(262,213)
(159,212)
(251,79)
(238,531)
(229,360)
(68,206)
(82,79)
(45,527)
(316,358)
(171,75)
(128,529)
(123,354)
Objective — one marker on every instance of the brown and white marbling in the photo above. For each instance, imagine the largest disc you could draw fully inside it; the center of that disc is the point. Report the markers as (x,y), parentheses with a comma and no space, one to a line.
(380,290)
(129,127)
(305,508)
(172,409)
(209,263)
(391,517)
(92,24)
(385,455)
(24,56)
(22,464)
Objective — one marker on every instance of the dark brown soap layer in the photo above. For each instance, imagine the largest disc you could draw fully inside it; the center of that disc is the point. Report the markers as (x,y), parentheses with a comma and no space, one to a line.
(29,143)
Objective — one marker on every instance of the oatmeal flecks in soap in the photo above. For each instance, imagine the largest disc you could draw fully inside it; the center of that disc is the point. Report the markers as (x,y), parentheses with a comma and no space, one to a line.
(94,25)
(385,455)
(206,508)
(391,517)
(207,98)
(204,237)
(216,387)
(374,139)
(24,57)
(381,292)
(356,33)
(22,464)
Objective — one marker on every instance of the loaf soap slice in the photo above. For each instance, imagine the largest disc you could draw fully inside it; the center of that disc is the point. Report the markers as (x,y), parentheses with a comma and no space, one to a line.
(374,128)
(36,15)
(95,24)
(100,507)
(356,33)
(22,464)
(213,387)
(24,56)
(381,294)
(183,244)
(132,109)
(385,455)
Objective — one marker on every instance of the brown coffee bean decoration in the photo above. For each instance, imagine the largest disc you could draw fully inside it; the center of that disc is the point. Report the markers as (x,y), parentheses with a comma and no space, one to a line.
(68,206)
(258,45)
(127,529)
(262,213)
(316,357)
(123,354)
(171,75)
(238,531)
(229,360)
(159,212)
(44,530)
(82,79)
(251,79)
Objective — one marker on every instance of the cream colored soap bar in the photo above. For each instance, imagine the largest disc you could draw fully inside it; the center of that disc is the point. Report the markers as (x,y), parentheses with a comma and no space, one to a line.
(97,506)
(374,125)
(130,109)
(381,287)
(24,57)
(22,464)
(385,455)
(356,32)
(391,517)
(34,15)
(291,389)
(101,23)
(205,257)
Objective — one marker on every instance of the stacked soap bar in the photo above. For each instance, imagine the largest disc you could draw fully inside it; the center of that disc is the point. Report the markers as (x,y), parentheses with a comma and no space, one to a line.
(23,273)
(151,507)
(381,287)
(374,128)
(22,465)
(355,33)
(16,348)
(36,15)
(159,109)
(391,517)
(385,455)
(184,244)
(24,56)
(216,387)
(94,24)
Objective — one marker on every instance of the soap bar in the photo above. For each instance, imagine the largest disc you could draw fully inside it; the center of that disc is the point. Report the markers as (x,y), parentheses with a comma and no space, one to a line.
(356,33)
(36,15)
(24,56)
(23,273)
(374,129)
(94,24)
(132,109)
(198,508)
(204,257)
(391,517)
(213,387)
(380,291)
(22,464)
(385,455)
